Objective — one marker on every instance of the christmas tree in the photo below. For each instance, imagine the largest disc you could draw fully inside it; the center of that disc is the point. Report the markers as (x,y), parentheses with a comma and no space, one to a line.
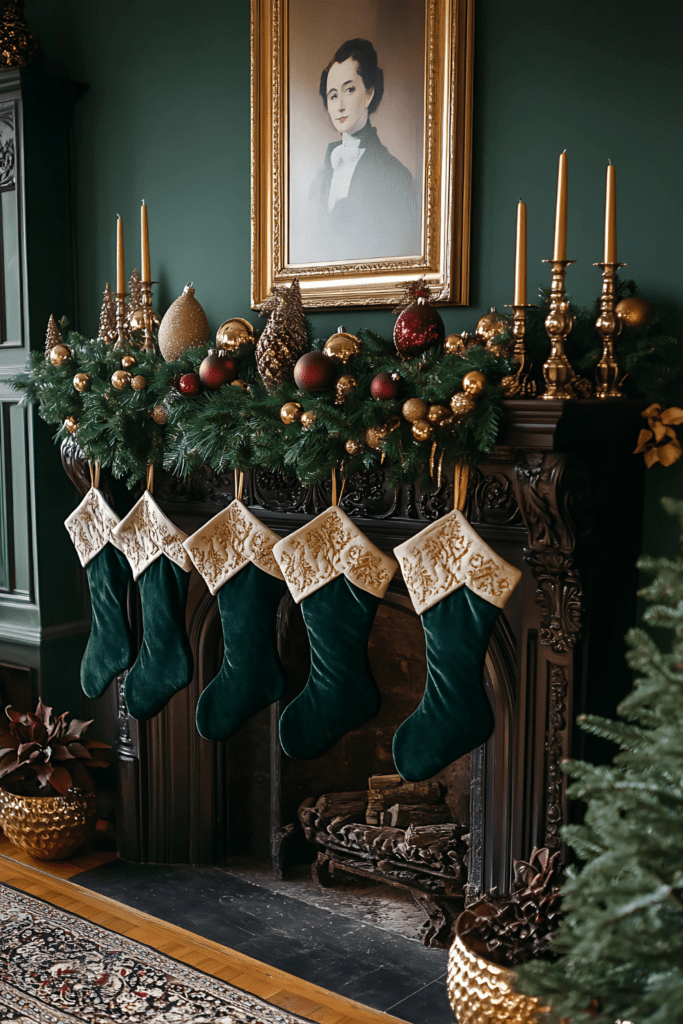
(621,941)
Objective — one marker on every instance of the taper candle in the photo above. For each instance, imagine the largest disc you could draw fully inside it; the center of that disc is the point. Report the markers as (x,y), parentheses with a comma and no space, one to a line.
(611,215)
(120,266)
(560,247)
(520,256)
(144,236)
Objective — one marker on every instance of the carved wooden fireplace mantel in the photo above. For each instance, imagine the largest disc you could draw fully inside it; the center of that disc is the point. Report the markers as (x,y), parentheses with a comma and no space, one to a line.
(561,498)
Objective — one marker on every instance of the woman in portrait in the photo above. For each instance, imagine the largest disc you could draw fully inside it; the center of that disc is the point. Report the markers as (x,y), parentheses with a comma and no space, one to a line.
(362,203)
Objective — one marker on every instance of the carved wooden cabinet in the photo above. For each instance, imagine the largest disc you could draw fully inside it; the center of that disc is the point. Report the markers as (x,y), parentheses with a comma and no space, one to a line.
(561,498)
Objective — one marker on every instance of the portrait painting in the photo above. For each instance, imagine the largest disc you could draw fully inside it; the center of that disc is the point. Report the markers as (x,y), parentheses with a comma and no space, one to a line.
(361,148)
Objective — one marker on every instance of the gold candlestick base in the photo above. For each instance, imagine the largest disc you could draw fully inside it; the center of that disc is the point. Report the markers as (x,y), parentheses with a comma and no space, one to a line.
(122,332)
(557,370)
(517,384)
(608,325)
(150,321)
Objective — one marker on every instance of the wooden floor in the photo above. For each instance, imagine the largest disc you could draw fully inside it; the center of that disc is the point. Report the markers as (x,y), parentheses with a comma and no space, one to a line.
(50,881)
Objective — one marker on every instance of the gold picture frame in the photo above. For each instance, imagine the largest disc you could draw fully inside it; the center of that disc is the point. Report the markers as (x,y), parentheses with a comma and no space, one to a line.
(288,106)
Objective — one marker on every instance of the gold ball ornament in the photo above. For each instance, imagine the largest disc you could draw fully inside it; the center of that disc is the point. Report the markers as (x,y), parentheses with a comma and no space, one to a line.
(374,436)
(474,383)
(59,354)
(489,326)
(128,361)
(81,382)
(184,326)
(354,447)
(70,425)
(634,312)
(422,430)
(342,346)
(160,415)
(436,414)
(143,319)
(120,379)
(414,409)
(454,345)
(462,405)
(344,387)
(290,412)
(307,420)
(138,382)
(240,384)
(235,336)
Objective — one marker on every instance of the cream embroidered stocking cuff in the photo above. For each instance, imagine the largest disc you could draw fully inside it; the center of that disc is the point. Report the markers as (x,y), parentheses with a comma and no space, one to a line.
(146,533)
(90,526)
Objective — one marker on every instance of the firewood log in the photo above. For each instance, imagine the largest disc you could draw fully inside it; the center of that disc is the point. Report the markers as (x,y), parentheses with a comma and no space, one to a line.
(403,815)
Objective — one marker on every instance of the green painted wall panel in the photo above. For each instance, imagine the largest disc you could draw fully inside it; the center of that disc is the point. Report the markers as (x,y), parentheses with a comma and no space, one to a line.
(21,525)
(166,118)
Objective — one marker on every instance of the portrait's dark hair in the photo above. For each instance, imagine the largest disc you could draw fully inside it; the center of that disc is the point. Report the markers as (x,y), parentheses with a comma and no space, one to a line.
(365,56)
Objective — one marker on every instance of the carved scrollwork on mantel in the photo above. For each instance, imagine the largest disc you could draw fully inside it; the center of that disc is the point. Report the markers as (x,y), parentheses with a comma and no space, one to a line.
(559,686)
(492,499)
(542,490)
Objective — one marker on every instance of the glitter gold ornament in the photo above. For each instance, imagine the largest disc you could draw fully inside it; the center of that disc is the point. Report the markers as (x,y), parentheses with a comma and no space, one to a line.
(354,447)
(81,382)
(342,346)
(159,414)
(107,331)
(374,436)
(184,326)
(307,420)
(344,387)
(120,379)
(59,354)
(422,430)
(634,312)
(414,409)
(489,326)
(235,336)
(454,345)
(438,413)
(70,424)
(462,405)
(474,383)
(53,335)
(284,337)
(128,361)
(18,45)
(290,413)
(138,382)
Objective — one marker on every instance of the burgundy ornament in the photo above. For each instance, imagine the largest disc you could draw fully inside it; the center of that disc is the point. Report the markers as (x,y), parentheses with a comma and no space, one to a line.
(384,388)
(314,372)
(190,384)
(418,327)
(217,369)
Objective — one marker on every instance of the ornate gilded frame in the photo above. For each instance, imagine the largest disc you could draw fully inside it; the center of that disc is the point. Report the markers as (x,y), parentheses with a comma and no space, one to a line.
(447,170)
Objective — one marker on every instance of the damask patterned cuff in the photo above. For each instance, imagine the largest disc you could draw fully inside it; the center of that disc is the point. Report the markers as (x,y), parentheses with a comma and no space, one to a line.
(90,526)
(230,541)
(330,546)
(449,554)
(146,533)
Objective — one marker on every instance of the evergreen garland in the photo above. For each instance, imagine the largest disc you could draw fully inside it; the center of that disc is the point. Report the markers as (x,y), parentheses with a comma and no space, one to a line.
(621,940)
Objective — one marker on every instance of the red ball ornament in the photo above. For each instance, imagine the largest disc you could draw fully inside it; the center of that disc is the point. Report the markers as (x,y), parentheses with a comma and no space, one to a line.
(314,371)
(217,369)
(418,327)
(384,388)
(190,384)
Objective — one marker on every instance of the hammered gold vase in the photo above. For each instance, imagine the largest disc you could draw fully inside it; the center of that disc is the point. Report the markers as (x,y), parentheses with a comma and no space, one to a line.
(481,992)
(48,827)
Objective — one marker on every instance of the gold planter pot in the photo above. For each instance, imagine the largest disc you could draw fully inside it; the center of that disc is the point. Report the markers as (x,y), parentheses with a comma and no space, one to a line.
(48,827)
(481,992)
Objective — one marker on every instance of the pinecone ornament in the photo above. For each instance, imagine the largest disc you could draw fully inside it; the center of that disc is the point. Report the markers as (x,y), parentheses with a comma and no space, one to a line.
(284,338)
(107,330)
(419,325)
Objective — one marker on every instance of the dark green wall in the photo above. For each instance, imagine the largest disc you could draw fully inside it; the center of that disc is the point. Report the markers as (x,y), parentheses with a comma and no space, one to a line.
(167,114)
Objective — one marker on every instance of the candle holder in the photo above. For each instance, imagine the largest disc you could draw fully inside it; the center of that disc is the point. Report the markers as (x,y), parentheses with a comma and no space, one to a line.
(123,334)
(608,325)
(557,370)
(150,321)
(517,383)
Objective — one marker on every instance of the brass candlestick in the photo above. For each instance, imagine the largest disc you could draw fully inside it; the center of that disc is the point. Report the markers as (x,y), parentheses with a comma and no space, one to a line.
(557,370)
(150,321)
(121,327)
(517,382)
(609,326)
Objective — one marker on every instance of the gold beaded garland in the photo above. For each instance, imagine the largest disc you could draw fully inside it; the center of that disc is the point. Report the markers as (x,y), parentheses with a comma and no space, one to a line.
(59,354)
(81,381)
(354,447)
(159,415)
(138,382)
(290,412)
(414,409)
(120,379)
(307,420)
(474,382)
(437,413)
(422,430)
(128,361)
(70,424)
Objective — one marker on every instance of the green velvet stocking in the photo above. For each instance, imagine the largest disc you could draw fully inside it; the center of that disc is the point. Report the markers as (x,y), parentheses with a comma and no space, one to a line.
(341,693)
(455,715)
(251,676)
(110,648)
(164,664)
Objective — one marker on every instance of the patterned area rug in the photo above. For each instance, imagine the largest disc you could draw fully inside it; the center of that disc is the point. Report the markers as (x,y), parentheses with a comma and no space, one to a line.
(57,968)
